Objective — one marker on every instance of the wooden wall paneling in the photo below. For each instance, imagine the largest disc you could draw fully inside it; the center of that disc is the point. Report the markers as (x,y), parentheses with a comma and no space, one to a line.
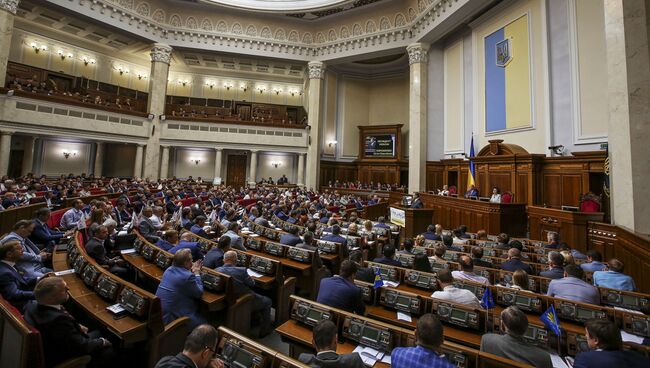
(572,187)
(521,186)
(552,194)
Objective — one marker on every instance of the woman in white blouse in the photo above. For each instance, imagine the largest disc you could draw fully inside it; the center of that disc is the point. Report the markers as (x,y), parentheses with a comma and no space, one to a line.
(496,197)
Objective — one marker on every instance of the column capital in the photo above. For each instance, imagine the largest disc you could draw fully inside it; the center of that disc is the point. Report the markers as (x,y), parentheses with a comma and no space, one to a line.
(218,149)
(140,145)
(9,5)
(254,151)
(6,132)
(316,69)
(418,53)
(160,53)
(164,146)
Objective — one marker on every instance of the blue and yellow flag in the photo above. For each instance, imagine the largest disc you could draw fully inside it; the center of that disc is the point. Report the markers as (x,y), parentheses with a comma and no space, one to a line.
(487,302)
(379,282)
(472,173)
(550,320)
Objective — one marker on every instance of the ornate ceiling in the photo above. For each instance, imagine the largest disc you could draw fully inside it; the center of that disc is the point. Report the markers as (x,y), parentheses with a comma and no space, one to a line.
(283,6)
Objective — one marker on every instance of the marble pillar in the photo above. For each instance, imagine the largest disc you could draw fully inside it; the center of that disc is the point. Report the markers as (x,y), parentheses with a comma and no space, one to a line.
(164,164)
(160,59)
(300,180)
(5,151)
(315,121)
(628,79)
(99,159)
(137,166)
(217,166)
(418,57)
(252,180)
(28,155)
(7,13)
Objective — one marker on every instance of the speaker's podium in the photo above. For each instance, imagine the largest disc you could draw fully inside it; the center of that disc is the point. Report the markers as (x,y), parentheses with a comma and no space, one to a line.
(414,220)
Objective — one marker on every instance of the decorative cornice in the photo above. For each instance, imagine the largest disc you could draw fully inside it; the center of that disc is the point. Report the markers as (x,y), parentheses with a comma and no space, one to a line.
(418,53)
(9,5)
(161,53)
(316,70)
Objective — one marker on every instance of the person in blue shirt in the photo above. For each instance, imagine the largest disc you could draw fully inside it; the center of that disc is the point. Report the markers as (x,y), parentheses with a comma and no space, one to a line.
(42,235)
(430,234)
(214,257)
(340,291)
(614,278)
(197,228)
(291,238)
(572,287)
(381,223)
(180,289)
(426,353)
(514,262)
(186,242)
(606,348)
(388,257)
(594,262)
(556,266)
(334,236)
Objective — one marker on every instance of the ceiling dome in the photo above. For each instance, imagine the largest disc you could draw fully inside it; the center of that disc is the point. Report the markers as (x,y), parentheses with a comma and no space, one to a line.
(282,5)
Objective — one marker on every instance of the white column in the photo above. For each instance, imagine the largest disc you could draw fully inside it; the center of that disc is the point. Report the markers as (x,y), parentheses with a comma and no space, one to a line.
(160,59)
(316,76)
(417,116)
(300,180)
(28,155)
(99,159)
(217,166)
(7,13)
(137,167)
(5,150)
(164,165)
(628,84)
(253,170)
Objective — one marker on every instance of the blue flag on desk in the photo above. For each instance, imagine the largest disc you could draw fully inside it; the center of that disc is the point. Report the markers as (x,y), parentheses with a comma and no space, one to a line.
(550,320)
(487,301)
(379,282)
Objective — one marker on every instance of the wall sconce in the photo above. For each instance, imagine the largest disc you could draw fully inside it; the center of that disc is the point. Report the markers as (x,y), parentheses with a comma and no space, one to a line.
(244,87)
(277,91)
(183,82)
(67,154)
(276,164)
(295,92)
(122,70)
(261,89)
(228,85)
(63,55)
(38,48)
(332,143)
(86,60)
(142,76)
(210,84)
(195,160)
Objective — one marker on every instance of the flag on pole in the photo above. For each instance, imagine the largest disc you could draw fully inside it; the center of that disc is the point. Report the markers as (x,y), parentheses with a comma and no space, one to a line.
(471,175)
(550,320)
(487,302)
(379,282)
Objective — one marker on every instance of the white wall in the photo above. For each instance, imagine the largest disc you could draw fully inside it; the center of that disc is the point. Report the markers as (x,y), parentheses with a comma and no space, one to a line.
(184,167)
(288,166)
(54,163)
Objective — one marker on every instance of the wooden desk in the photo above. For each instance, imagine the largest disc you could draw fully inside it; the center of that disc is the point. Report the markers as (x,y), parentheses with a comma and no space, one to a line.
(416,219)
(495,218)
(304,268)
(572,226)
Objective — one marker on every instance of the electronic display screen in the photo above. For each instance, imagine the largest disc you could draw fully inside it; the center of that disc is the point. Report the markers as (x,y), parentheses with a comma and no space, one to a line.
(458,314)
(522,300)
(403,300)
(314,315)
(530,333)
(371,333)
(585,313)
(630,300)
(379,145)
(242,359)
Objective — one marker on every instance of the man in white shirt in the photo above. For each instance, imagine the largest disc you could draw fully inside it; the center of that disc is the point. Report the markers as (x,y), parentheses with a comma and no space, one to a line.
(467,272)
(72,216)
(156,218)
(453,294)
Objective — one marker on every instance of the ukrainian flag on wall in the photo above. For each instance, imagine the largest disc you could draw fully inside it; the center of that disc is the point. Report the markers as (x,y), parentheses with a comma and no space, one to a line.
(507,78)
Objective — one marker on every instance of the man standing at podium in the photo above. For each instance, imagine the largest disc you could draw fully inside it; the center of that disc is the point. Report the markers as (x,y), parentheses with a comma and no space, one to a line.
(417,202)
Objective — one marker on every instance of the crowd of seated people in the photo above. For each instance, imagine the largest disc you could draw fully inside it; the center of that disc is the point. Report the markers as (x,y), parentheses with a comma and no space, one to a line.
(50,88)
(369,186)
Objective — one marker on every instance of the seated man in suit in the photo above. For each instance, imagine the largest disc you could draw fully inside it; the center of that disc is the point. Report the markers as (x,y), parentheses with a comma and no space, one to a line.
(95,249)
(146,227)
(556,266)
(388,257)
(514,262)
(472,192)
(14,287)
(308,243)
(197,228)
(325,342)
(572,287)
(243,284)
(553,239)
(340,291)
(335,236)
(198,351)
(407,247)
(503,241)
(291,238)
(32,262)
(451,293)
(236,241)
(180,289)
(606,348)
(214,258)
(613,277)
(43,236)
(120,215)
(186,242)
(426,354)
(477,254)
(10,200)
(63,337)
(365,274)
(430,234)
(72,216)
(594,262)
(511,344)
(462,232)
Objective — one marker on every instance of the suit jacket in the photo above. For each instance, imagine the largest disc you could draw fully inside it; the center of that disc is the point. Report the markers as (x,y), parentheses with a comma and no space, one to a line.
(30,263)
(192,246)
(121,217)
(330,359)
(236,241)
(610,358)
(61,334)
(95,248)
(243,283)
(15,288)
(340,293)
(366,274)
(417,203)
(148,230)
(387,261)
(214,258)
(290,239)
(176,361)
(515,348)
(180,294)
(42,234)
(553,273)
(334,238)
(198,230)
(516,264)
(428,235)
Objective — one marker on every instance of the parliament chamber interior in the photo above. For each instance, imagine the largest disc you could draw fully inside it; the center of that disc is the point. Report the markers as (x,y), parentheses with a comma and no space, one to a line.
(324,183)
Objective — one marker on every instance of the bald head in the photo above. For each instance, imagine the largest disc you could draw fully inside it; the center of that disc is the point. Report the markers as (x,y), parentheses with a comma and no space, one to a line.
(514,253)
(230,257)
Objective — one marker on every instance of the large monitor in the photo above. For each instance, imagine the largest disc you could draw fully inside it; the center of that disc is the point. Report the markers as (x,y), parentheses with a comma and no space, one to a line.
(380,145)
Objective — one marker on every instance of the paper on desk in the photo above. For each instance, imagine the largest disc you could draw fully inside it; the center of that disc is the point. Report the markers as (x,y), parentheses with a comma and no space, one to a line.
(401,316)
(64,272)
(625,336)
(557,361)
(386,359)
(127,251)
(252,273)
(392,284)
(369,356)
(245,231)
(253,235)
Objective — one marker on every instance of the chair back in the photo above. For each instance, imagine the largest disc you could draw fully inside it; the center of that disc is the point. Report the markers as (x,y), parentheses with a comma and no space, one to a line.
(507,197)
(21,343)
(170,341)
